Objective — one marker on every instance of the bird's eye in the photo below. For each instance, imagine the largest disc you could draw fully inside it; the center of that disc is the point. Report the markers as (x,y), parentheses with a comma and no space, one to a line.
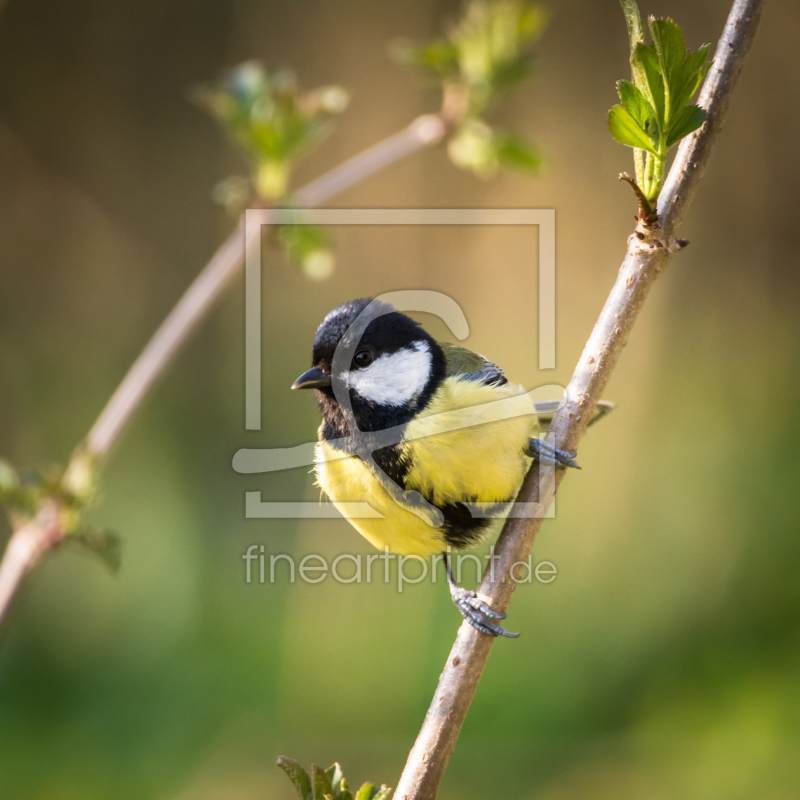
(363,358)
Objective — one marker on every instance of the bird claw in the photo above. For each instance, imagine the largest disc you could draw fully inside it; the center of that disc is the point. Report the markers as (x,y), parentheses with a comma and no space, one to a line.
(547,453)
(479,614)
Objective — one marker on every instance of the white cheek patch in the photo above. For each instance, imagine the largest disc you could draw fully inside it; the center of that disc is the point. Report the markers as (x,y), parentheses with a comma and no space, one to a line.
(393,379)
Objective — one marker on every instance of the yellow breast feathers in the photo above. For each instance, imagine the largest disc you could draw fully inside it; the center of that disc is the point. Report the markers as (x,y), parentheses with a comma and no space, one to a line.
(480,463)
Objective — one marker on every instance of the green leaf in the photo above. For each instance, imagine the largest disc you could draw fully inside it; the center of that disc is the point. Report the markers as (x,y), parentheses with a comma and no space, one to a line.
(486,51)
(472,147)
(320,782)
(9,480)
(298,776)
(269,119)
(382,794)
(438,58)
(308,248)
(648,79)
(626,130)
(365,792)
(335,776)
(511,73)
(634,103)
(340,789)
(689,120)
(693,71)
(492,40)
(103,543)
(671,50)
(634,22)
(517,153)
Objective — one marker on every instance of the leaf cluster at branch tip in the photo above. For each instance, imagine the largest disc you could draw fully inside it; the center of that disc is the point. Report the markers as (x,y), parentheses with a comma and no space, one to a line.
(327,784)
(655,112)
(24,493)
(485,52)
(273,123)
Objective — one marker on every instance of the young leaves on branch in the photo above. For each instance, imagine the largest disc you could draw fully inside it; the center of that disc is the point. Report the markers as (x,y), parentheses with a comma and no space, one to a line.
(69,491)
(308,246)
(655,112)
(22,494)
(273,123)
(327,784)
(270,120)
(486,52)
(101,542)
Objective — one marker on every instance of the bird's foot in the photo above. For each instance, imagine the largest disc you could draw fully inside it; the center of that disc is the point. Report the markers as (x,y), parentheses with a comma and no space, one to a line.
(547,453)
(478,614)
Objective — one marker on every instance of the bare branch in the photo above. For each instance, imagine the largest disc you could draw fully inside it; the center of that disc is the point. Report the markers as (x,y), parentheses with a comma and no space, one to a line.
(648,253)
(24,549)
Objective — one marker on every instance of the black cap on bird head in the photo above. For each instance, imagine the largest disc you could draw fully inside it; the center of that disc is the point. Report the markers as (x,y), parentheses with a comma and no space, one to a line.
(392,369)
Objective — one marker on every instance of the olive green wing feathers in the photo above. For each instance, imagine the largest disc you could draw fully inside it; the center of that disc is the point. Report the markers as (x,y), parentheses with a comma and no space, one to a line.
(471,366)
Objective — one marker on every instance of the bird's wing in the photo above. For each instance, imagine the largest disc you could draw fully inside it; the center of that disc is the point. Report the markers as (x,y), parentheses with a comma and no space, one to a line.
(471,366)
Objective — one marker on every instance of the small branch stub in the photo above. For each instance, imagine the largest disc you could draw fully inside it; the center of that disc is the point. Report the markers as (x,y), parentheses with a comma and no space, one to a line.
(648,217)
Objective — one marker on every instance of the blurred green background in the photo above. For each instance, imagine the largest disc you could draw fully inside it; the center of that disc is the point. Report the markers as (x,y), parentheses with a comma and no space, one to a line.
(663,662)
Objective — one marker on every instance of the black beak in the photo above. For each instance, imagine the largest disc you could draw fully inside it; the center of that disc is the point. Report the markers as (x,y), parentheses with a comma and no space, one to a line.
(315,378)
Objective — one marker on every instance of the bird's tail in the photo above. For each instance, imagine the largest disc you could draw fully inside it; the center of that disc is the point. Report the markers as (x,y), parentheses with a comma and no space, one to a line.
(545,409)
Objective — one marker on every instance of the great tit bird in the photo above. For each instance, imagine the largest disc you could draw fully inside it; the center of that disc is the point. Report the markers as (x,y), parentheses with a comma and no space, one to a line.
(383,385)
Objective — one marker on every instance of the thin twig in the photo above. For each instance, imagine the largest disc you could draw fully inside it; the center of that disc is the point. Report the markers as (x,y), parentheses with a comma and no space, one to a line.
(24,549)
(645,259)
(32,539)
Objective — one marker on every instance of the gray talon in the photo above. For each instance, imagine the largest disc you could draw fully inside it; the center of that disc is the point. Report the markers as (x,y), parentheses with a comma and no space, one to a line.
(546,453)
(463,597)
(474,610)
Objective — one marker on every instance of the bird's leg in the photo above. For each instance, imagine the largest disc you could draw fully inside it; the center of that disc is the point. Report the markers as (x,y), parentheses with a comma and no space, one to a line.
(546,453)
(474,610)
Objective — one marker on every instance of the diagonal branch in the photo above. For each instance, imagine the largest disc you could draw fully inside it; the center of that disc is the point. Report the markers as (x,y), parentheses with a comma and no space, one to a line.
(33,538)
(648,254)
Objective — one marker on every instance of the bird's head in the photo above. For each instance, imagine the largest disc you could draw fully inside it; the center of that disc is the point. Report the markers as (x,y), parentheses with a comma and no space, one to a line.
(391,370)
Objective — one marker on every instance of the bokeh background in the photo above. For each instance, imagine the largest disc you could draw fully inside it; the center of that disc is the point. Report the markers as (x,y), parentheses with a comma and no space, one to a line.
(663,662)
